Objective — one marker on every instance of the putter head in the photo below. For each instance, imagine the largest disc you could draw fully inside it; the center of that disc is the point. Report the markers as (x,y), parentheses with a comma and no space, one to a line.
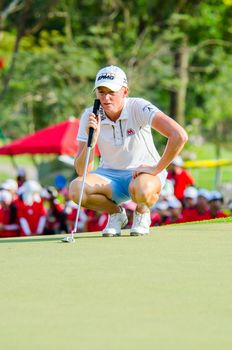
(68,240)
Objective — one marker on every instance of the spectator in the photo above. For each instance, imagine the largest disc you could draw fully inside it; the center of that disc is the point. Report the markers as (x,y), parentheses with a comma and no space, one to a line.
(96,221)
(55,217)
(180,177)
(203,199)
(215,205)
(21,177)
(175,212)
(189,203)
(8,216)
(200,211)
(159,213)
(31,210)
(60,184)
(11,186)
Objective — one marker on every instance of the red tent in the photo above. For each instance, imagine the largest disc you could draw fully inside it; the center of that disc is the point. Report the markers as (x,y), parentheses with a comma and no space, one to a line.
(56,139)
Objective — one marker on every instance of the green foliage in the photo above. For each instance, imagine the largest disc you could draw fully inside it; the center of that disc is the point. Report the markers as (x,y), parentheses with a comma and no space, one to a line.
(63,43)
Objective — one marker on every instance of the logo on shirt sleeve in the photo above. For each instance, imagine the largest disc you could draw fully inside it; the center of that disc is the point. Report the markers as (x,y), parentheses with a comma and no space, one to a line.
(148,108)
(130,132)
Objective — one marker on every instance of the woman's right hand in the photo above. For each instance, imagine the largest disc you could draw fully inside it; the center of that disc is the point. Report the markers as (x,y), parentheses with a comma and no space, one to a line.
(94,122)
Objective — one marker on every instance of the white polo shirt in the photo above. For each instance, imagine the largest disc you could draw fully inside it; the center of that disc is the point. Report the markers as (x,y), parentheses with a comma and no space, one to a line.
(126,143)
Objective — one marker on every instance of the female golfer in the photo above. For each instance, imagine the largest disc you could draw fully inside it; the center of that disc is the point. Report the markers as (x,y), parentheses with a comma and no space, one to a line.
(130,166)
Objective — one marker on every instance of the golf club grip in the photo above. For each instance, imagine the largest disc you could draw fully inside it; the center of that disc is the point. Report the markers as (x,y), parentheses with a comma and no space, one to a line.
(96,106)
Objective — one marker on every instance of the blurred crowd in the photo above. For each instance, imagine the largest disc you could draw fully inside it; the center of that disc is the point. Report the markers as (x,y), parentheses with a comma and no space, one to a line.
(27,208)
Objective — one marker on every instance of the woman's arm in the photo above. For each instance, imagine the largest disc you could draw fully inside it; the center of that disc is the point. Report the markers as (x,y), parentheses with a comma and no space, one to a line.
(175,134)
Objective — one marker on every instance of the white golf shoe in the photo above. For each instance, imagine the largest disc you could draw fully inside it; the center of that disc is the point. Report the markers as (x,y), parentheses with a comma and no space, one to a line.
(141,224)
(115,223)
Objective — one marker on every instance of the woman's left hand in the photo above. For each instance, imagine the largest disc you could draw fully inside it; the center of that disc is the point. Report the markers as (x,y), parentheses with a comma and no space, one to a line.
(144,169)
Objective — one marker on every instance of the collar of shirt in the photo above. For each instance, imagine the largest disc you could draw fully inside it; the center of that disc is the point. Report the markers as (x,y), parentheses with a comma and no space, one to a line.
(123,115)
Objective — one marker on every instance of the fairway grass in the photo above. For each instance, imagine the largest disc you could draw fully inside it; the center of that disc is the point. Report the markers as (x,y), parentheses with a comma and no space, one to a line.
(170,290)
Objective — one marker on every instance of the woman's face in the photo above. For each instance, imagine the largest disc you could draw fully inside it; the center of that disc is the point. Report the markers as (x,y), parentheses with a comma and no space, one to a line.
(112,101)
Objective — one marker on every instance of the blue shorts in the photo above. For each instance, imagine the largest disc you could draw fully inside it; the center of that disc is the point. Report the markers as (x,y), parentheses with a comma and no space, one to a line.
(120,181)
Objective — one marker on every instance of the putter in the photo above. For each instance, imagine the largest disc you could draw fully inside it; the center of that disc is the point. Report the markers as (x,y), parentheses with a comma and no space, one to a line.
(70,239)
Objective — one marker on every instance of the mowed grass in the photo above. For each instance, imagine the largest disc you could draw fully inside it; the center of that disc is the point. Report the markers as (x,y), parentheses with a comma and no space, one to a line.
(169,290)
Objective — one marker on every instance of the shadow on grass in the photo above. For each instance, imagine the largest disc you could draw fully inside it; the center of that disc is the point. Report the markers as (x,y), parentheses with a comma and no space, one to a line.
(27,240)
(56,239)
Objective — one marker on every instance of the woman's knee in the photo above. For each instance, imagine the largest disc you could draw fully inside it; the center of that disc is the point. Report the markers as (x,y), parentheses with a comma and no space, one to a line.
(147,193)
(74,189)
(149,198)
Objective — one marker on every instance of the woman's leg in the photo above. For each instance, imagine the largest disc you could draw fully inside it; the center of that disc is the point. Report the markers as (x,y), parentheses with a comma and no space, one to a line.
(145,190)
(96,195)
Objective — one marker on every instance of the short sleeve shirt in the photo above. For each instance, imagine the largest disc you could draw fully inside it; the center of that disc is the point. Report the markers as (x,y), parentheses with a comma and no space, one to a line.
(128,142)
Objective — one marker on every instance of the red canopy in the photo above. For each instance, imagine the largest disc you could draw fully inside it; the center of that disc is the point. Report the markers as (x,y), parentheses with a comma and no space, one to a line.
(56,139)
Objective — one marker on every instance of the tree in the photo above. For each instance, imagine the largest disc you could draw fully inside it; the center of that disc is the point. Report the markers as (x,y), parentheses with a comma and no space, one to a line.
(170,50)
(27,17)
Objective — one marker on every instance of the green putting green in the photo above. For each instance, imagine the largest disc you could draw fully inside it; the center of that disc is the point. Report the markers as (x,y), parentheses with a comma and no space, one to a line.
(169,290)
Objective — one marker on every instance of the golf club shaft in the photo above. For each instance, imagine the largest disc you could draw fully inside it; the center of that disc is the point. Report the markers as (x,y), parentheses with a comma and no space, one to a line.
(82,189)
(89,146)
